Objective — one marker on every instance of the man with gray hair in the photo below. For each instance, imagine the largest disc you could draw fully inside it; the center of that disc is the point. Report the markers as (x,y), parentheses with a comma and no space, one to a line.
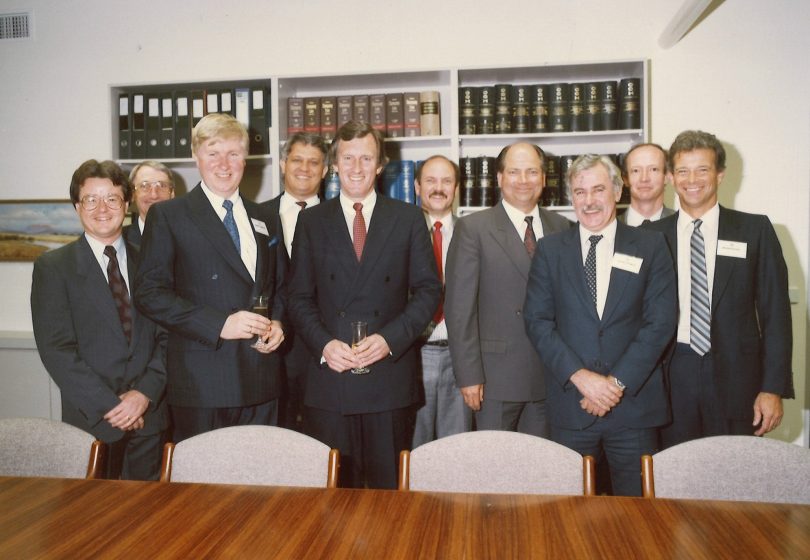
(152,182)
(600,310)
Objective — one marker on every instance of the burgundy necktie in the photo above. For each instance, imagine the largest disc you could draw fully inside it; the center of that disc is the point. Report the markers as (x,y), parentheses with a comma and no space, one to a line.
(359,230)
(302,204)
(529,240)
(119,291)
(437,253)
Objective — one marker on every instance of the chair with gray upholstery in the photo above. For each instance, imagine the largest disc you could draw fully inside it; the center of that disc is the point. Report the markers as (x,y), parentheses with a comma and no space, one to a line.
(49,448)
(496,462)
(261,455)
(745,468)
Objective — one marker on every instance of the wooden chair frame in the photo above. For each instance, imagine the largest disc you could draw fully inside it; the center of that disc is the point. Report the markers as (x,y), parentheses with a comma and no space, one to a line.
(647,477)
(94,464)
(588,473)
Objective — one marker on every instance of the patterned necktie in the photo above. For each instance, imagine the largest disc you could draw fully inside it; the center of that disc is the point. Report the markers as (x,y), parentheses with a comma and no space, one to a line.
(359,230)
(590,266)
(230,224)
(302,204)
(119,291)
(437,254)
(529,240)
(700,322)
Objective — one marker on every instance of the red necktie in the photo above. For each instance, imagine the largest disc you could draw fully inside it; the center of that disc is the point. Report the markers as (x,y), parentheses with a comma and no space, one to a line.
(437,254)
(359,230)
(119,291)
(529,240)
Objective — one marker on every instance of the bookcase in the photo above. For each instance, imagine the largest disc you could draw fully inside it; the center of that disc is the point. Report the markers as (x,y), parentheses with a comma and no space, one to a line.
(262,175)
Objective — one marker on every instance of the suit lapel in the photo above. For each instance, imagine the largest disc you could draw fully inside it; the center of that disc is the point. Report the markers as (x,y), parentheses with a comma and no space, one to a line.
(618,280)
(209,224)
(96,287)
(338,239)
(506,236)
(572,265)
(263,243)
(727,228)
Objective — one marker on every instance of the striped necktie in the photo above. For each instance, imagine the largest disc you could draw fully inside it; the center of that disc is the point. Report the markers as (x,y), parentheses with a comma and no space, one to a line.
(700,322)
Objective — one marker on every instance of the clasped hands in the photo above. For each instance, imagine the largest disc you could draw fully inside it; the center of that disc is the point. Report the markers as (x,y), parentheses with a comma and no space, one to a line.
(341,357)
(128,414)
(600,393)
(245,324)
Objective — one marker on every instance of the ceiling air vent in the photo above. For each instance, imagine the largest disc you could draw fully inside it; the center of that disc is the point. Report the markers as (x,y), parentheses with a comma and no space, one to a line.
(15,26)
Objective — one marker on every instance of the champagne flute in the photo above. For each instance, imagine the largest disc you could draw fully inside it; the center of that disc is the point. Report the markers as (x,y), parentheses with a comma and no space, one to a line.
(359,333)
(260,306)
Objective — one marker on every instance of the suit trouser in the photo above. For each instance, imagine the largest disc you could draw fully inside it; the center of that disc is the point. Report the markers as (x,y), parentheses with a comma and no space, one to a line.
(190,421)
(135,456)
(444,412)
(697,408)
(623,448)
(296,360)
(369,444)
(524,417)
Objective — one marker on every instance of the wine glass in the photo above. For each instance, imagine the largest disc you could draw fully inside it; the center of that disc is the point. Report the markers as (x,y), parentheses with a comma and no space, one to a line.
(260,306)
(359,333)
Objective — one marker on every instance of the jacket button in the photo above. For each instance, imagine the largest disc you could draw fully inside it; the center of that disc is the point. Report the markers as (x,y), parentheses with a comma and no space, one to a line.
(376,313)
(342,314)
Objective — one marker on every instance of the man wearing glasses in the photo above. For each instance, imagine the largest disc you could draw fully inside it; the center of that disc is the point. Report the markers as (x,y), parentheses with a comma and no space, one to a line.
(151,182)
(107,359)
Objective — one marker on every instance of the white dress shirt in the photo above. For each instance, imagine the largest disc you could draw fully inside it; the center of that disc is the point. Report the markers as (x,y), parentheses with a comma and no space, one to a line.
(604,260)
(247,241)
(440,330)
(518,218)
(633,218)
(347,204)
(289,210)
(711,221)
(121,254)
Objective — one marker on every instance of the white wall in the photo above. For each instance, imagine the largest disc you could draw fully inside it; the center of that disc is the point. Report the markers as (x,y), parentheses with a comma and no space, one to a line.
(741,73)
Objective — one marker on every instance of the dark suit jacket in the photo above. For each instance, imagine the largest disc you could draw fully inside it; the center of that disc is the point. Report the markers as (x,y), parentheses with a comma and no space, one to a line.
(638,321)
(83,347)
(752,336)
(622,214)
(395,288)
(487,271)
(132,233)
(190,280)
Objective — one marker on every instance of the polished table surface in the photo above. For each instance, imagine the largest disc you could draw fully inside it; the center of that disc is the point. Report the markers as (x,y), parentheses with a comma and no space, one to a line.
(57,518)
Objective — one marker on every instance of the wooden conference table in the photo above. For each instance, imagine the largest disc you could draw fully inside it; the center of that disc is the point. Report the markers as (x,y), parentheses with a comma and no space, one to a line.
(57,518)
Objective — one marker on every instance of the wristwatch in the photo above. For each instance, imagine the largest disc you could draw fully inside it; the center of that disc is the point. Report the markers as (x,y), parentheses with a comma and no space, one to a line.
(618,383)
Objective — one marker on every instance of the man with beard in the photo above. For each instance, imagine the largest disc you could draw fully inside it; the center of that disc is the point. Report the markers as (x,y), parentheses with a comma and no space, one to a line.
(443,412)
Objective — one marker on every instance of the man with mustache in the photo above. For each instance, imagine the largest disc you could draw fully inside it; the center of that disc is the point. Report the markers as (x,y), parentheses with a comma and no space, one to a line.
(600,310)
(498,370)
(443,413)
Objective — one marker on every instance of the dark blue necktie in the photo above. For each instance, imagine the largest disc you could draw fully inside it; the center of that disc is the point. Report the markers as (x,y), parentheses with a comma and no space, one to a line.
(230,224)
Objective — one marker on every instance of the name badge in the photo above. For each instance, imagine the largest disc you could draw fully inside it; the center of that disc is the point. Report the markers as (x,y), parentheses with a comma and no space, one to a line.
(259,226)
(736,249)
(627,262)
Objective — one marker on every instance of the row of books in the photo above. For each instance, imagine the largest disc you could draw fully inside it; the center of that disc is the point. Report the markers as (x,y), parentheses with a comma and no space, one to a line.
(157,125)
(396,181)
(395,115)
(479,182)
(557,107)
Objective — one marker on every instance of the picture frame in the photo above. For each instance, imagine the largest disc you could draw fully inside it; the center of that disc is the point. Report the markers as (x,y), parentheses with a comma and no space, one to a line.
(29,228)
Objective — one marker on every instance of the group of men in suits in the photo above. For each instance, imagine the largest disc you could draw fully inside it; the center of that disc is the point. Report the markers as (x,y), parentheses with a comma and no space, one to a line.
(557,331)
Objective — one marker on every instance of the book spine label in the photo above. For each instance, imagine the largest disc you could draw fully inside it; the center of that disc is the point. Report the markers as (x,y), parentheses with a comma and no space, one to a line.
(576,108)
(344,109)
(558,107)
(376,106)
(312,115)
(394,126)
(609,113)
(295,115)
(539,108)
(430,117)
(520,109)
(328,118)
(361,108)
(412,117)
(503,108)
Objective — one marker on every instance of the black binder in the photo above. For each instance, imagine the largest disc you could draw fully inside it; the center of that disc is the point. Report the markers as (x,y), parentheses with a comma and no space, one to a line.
(166,126)
(138,144)
(124,127)
(153,126)
(182,125)
(259,121)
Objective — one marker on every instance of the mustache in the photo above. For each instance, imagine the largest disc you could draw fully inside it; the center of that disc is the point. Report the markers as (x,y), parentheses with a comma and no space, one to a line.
(437,193)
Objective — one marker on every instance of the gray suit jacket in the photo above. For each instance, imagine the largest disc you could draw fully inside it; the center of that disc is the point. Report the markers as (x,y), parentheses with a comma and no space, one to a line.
(487,272)
(83,347)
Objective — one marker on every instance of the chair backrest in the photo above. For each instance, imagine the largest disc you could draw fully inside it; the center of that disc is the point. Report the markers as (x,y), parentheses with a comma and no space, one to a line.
(496,462)
(42,447)
(745,468)
(263,455)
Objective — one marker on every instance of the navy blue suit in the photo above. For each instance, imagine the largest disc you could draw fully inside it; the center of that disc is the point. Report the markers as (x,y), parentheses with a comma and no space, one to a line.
(628,342)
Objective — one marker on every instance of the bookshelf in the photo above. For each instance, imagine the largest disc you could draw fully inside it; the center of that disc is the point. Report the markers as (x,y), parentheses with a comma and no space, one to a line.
(262,175)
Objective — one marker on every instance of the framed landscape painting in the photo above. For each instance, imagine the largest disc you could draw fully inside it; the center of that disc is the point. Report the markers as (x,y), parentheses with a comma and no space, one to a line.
(28,228)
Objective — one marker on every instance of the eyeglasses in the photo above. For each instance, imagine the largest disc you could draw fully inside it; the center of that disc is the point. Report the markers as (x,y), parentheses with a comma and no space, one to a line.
(160,187)
(91,202)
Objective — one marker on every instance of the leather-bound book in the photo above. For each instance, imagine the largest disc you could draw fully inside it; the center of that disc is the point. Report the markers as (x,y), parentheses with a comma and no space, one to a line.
(344,109)
(630,103)
(376,111)
(539,108)
(576,108)
(470,193)
(361,109)
(394,118)
(593,106)
(486,171)
(467,110)
(551,192)
(295,115)
(486,110)
(503,108)
(328,118)
(312,115)
(558,106)
(565,165)
(609,113)
(430,117)
(520,109)
(412,118)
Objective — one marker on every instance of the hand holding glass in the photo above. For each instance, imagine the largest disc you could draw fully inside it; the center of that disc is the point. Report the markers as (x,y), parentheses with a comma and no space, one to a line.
(260,306)
(359,333)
